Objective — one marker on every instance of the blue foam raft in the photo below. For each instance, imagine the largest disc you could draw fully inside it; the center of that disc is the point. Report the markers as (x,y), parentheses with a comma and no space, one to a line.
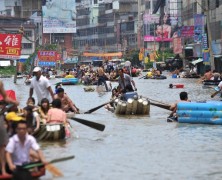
(70,81)
(200,112)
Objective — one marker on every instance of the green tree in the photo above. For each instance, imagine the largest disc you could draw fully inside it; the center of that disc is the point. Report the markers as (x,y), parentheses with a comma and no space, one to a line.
(30,61)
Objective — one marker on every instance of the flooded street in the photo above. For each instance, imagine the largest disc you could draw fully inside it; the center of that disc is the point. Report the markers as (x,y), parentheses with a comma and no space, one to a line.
(135,147)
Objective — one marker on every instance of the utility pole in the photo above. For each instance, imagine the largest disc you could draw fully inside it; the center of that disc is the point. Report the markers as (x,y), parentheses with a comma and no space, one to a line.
(209,35)
(139,25)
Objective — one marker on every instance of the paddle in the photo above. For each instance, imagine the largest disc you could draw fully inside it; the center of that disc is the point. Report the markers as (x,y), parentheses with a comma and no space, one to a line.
(98,107)
(142,77)
(37,164)
(164,106)
(91,124)
(214,94)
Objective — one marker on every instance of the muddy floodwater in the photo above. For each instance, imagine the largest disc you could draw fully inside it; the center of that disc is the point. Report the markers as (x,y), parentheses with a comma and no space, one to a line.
(135,147)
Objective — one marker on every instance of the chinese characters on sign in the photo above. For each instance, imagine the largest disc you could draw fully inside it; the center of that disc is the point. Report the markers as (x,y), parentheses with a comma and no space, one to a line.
(10,46)
(47,56)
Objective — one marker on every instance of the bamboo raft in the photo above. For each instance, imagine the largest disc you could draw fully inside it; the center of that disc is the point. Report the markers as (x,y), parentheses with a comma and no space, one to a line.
(132,105)
(50,132)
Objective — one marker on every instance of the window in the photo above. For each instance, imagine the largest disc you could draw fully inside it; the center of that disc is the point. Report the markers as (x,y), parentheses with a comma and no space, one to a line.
(28,33)
(26,45)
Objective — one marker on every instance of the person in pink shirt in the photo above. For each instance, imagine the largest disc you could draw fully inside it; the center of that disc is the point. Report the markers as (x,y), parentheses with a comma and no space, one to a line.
(56,114)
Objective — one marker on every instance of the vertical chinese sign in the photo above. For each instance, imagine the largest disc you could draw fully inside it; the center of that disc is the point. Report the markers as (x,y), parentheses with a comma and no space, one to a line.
(47,58)
(10,46)
(198,27)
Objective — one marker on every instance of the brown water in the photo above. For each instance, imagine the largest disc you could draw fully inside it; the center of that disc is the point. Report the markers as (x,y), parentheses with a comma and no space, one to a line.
(136,147)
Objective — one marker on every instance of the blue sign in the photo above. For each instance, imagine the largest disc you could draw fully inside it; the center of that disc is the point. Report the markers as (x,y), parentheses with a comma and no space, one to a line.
(42,63)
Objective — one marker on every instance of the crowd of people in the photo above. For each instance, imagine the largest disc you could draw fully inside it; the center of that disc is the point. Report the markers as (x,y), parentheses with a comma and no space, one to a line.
(17,145)
(19,124)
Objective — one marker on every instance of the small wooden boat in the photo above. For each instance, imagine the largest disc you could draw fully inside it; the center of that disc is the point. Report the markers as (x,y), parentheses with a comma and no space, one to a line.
(35,174)
(211,82)
(155,77)
(50,132)
(89,89)
(200,112)
(70,81)
(192,76)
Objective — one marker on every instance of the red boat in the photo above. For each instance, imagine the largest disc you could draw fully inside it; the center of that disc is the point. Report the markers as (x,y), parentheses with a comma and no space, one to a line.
(35,174)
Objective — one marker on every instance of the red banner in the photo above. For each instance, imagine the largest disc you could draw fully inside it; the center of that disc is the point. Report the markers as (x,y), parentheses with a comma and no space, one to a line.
(10,46)
(47,56)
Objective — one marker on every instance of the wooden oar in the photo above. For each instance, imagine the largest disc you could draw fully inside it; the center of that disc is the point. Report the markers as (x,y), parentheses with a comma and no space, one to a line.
(91,124)
(159,102)
(214,94)
(37,164)
(98,107)
(52,169)
(164,106)
(142,77)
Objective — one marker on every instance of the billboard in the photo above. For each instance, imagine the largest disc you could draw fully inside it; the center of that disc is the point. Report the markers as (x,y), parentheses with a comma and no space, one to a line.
(59,16)
(161,27)
(10,46)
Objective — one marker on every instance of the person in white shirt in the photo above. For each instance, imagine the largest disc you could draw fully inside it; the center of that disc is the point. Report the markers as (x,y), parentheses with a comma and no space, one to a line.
(19,147)
(41,86)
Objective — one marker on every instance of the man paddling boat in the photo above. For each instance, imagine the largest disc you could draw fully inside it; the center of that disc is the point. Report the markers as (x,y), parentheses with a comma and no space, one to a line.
(126,82)
(18,151)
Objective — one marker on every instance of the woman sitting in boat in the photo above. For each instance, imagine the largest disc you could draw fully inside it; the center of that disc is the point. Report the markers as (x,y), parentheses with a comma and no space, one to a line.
(56,114)
(43,110)
(32,119)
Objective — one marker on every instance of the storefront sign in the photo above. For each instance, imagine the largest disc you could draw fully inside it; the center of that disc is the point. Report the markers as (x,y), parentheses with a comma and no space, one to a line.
(47,56)
(10,46)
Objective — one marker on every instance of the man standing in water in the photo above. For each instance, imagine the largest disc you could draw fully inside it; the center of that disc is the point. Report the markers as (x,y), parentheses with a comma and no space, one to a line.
(102,78)
(3,133)
(41,85)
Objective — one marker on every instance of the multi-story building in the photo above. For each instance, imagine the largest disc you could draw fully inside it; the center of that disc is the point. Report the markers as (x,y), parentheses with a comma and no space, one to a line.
(106,25)
(16,13)
(214,32)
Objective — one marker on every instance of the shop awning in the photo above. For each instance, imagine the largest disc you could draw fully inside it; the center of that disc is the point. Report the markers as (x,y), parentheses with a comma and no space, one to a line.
(23,58)
(197,61)
(117,54)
